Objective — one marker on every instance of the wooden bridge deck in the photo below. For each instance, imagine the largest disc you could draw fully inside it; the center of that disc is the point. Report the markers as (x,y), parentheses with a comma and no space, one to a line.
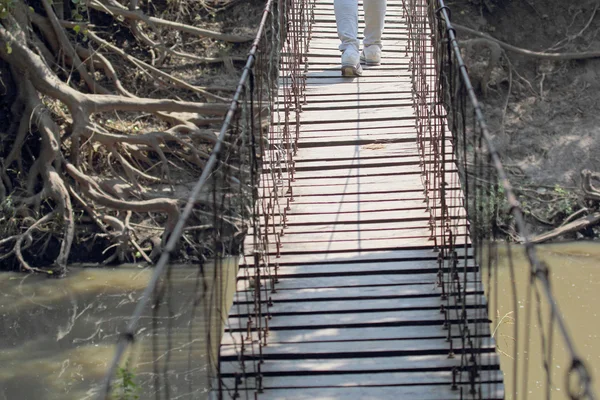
(357,308)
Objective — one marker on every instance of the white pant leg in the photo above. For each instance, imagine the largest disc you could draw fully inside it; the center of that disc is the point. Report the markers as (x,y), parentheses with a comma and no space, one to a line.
(346,16)
(374,21)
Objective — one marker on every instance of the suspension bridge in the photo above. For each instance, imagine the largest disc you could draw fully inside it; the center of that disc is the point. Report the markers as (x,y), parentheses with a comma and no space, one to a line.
(362,304)
(365,231)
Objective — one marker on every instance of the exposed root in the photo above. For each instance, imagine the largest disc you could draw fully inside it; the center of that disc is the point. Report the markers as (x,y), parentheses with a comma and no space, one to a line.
(589,190)
(139,16)
(69,169)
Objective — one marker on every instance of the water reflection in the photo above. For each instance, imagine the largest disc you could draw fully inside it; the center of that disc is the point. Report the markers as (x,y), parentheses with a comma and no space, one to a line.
(575,279)
(58,335)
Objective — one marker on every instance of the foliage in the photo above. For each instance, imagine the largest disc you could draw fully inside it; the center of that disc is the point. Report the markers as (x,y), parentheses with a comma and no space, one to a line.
(6,7)
(125,386)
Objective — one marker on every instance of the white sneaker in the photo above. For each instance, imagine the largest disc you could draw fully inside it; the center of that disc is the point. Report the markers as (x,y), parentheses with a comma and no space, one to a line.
(371,55)
(351,63)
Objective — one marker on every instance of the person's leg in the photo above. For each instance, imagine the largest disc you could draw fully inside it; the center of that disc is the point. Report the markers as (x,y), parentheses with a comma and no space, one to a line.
(346,16)
(374,23)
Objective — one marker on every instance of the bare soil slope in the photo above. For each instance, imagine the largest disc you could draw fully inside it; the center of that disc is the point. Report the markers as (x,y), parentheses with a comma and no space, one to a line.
(548,130)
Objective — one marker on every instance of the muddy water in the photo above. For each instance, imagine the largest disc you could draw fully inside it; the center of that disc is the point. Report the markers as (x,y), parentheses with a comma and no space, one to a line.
(575,277)
(57,336)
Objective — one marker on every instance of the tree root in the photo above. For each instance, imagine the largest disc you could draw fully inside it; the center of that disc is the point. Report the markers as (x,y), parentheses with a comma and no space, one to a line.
(139,16)
(589,190)
(67,92)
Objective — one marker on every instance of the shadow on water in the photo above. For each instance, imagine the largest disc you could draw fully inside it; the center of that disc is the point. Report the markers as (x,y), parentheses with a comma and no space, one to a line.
(575,280)
(58,336)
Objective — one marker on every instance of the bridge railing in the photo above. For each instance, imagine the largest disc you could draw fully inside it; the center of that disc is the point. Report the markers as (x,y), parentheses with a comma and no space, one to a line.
(455,141)
(236,208)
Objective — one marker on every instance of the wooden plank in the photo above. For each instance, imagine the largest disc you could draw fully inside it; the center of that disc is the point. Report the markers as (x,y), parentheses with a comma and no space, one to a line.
(354,207)
(344,306)
(365,177)
(328,19)
(356,81)
(367,348)
(331,34)
(349,334)
(421,265)
(495,392)
(328,228)
(358,219)
(356,256)
(385,243)
(343,84)
(364,163)
(356,169)
(393,38)
(317,101)
(283,351)
(360,114)
(377,184)
(288,283)
(406,160)
(328,9)
(365,365)
(378,102)
(357,128)
(380,379)
(363,292)
(358,184)
(305,275)
(451,192)
(359,151)
(332,60)
(338,228)
(355,87)
(312,165)
(346,135)
(407,318)
(417,214)
(358,380)
(362,138)
(367,76)
(368,217)
(421,231)
(327,45)
(328,5)
(358,237)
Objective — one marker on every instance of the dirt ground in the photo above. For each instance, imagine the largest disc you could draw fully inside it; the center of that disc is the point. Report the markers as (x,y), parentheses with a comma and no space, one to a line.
(551,129)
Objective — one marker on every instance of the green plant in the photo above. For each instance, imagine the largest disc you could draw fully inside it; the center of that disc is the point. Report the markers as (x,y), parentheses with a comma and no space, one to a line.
(125,386)
(6,7)
(565,202)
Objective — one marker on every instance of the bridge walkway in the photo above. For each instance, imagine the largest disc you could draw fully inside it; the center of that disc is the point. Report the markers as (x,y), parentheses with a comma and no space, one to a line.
(357,312)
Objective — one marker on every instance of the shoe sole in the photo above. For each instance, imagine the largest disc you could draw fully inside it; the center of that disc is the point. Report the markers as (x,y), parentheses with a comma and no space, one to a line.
(351,70)
(370,63)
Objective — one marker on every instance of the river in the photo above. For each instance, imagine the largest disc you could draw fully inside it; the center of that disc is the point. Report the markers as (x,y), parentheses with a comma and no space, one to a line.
(575,280)
(58,335)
